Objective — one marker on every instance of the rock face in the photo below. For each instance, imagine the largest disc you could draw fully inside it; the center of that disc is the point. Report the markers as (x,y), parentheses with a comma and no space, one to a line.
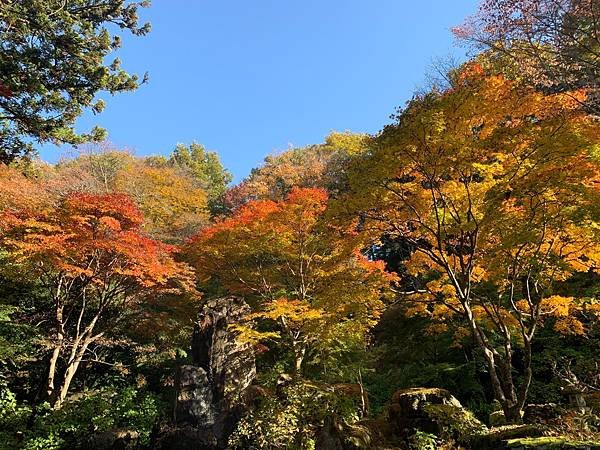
(194,397)
(431,410)
(541,413)
(407,409)
(230,365)
(209,398)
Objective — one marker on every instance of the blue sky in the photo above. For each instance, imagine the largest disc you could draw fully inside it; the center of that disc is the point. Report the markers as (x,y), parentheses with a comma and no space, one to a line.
(249,78)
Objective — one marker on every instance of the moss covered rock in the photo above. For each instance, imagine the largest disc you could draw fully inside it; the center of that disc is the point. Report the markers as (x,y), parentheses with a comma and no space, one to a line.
(496,438)
(431,410)
(455,423)
(550,443)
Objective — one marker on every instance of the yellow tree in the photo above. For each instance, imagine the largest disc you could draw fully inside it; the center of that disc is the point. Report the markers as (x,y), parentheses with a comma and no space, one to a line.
(173,202)
(308,277)
(174,206)
(491,185)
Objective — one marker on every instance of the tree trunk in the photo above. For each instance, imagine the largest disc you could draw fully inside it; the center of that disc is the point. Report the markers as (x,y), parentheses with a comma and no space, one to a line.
(513,413)
(52,367)
(70,372)
(298,346)
(527,375)
(58,345)
(298,360)
(500,370)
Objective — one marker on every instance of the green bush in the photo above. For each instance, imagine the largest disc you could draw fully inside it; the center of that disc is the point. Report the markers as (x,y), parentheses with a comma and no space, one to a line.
(13,418)
(423,441)
(77,420)
(291,419)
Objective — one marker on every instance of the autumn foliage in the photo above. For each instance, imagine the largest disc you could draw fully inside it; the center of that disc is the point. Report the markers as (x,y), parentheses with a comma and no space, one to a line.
(305,274)
(491,186)
(91,256)
(458,248)
(551,45)
(317,166)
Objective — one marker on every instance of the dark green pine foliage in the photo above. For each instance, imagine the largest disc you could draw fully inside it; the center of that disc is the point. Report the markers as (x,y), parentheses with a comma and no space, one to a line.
(52,65)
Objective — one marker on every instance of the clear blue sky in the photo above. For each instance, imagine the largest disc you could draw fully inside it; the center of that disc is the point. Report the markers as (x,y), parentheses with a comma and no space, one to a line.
(247,78)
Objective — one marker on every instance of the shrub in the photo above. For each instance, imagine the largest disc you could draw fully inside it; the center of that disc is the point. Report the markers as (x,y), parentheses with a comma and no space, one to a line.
(291,419)
(70,426)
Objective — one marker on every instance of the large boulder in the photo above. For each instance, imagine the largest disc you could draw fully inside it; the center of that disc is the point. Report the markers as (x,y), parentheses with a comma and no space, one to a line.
(411,400)
(407,411)
(194,404)
(431,410)
(210,393)
(230,364)
(542,413)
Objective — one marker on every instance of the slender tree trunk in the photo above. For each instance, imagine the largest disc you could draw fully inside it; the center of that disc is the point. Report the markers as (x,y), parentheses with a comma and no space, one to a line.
(488,355)
(52,367)
(298,359)
(527,375)
(511,407)
(58,345)
(70,372)
(80,345)
(298,346)
(500,370)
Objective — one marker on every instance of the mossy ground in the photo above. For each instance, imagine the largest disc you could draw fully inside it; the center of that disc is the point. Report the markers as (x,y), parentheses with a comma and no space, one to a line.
(551,443)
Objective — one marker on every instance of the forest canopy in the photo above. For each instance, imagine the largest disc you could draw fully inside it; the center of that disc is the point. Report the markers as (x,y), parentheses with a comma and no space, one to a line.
(432,285)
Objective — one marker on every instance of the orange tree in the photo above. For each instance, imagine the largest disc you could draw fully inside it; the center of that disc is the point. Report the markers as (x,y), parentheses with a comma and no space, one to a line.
(174,204)
(552,44)
(89,254)
(491,186)
(306,276)
(314,166)
(17,192)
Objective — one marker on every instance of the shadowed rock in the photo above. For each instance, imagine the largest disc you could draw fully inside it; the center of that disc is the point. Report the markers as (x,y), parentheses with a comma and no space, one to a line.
(210,400)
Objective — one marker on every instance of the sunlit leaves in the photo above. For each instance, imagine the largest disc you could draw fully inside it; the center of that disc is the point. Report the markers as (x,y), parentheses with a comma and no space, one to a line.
(304,274)
(173,206)
(97,237)
(551,44)
(316,166)
(492,186)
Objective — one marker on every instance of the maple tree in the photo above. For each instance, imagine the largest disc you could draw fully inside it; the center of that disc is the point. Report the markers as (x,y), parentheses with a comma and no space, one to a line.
(17,192)
(314,166)
(308,277)
(91,257)
(173,203)
(458,249)
(491,185)
(552,44)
